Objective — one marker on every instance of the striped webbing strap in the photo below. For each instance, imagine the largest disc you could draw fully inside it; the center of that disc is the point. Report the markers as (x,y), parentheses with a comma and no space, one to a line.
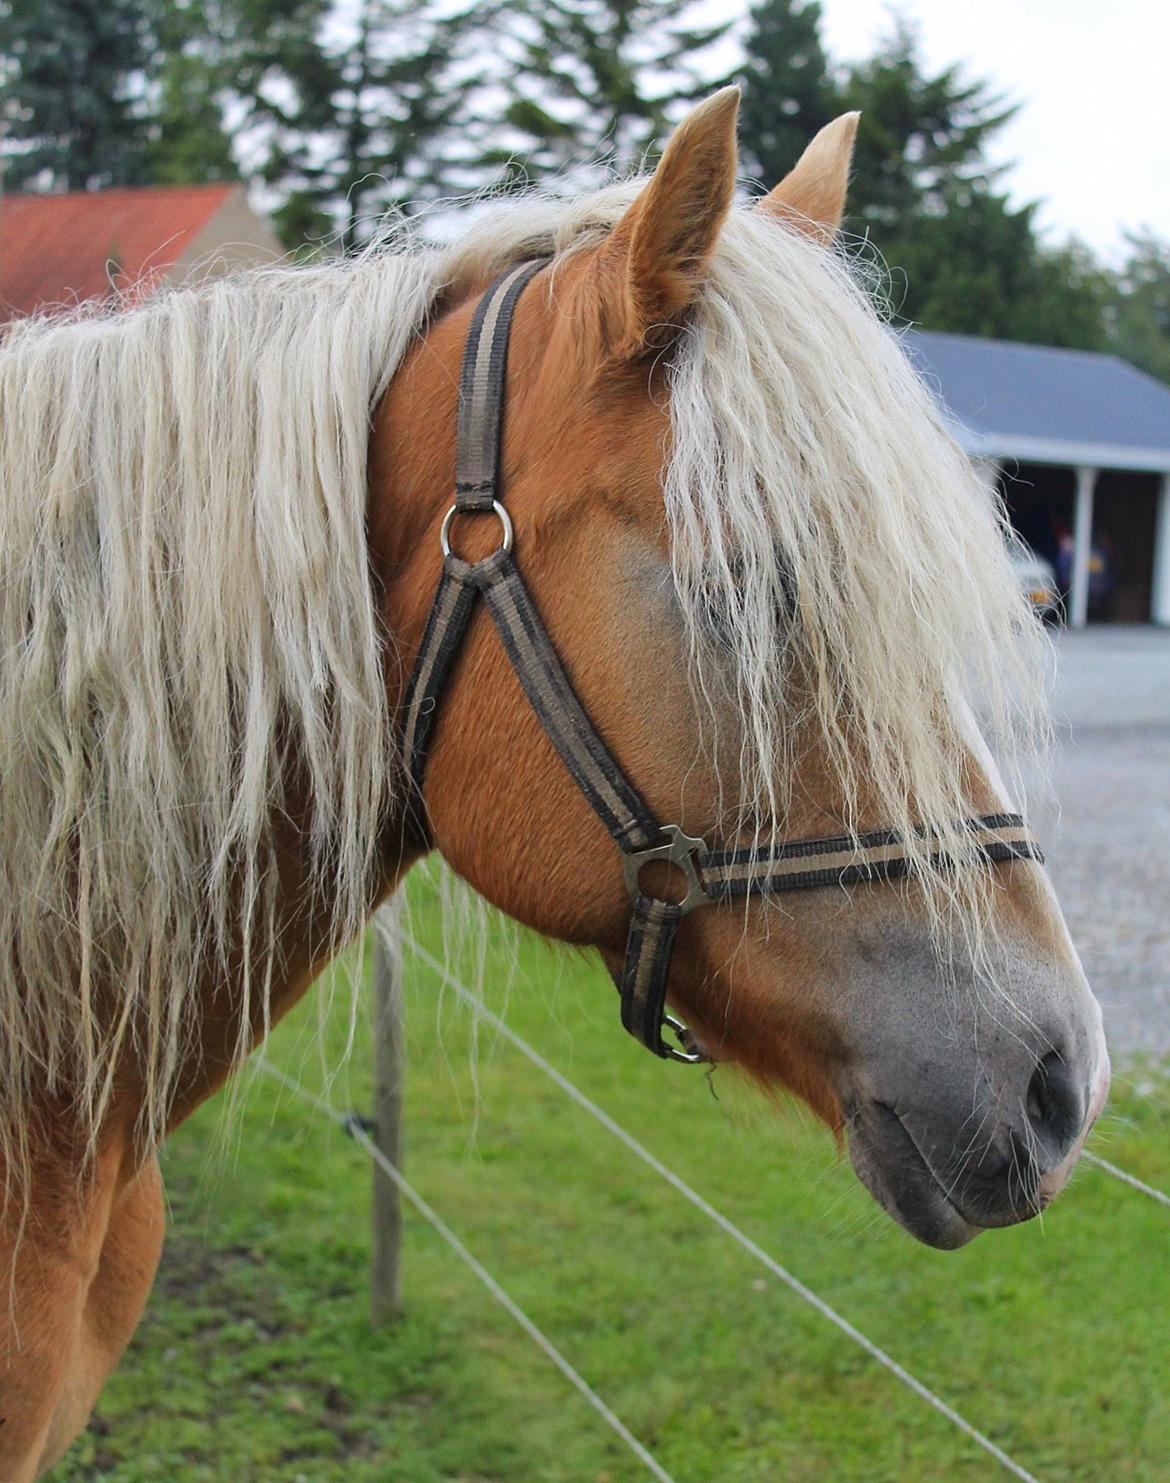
(481,390)
(847,859)
(478,488)
(711,875)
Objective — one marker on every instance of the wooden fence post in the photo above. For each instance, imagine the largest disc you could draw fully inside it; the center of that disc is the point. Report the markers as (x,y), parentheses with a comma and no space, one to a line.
(386,1274)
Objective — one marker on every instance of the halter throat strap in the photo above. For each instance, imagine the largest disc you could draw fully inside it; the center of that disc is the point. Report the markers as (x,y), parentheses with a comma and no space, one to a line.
(711,875)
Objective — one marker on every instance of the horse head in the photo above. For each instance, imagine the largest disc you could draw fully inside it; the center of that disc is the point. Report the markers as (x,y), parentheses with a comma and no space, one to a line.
(783,602)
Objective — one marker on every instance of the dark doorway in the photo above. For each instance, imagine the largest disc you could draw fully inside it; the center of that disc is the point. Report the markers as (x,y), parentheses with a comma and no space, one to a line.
(1125,514)
(1040,501)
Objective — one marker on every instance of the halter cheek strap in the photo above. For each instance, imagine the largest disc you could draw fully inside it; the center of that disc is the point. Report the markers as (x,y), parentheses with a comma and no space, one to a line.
(710,875)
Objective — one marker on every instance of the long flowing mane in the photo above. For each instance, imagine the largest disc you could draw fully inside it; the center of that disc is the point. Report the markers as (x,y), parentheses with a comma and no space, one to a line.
(186,603)
(819,506)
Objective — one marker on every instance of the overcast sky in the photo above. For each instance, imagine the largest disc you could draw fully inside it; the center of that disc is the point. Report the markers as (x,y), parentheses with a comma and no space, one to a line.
(1092,138)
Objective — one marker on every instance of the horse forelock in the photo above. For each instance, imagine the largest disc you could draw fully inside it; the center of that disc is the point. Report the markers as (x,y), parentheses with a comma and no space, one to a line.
(819,506)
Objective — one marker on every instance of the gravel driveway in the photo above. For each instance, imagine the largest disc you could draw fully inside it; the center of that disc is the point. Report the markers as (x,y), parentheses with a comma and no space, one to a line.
(1108,837)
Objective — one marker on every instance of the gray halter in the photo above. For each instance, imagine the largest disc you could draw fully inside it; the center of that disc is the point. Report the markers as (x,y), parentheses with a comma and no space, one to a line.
(711,875)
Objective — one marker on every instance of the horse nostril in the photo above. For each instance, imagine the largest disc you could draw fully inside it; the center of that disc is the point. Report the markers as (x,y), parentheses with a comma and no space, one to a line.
(1055,1106)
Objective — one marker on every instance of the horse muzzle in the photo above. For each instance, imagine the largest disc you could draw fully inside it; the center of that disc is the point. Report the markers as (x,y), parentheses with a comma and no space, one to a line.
(945,1182)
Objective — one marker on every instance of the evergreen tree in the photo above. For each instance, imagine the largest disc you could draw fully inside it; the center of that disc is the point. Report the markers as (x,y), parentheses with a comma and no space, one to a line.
(1140,327)
(341,111)
(188,144)
(975,267)
(262,62)
(188,88)
(120,93)
(1069,300)
(924,194)
(382,138)
(73,116)
(593,81)
(348,112)
(788,91)
(921,137)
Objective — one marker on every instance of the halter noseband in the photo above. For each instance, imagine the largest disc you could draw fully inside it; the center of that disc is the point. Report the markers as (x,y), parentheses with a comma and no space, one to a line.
(711,875)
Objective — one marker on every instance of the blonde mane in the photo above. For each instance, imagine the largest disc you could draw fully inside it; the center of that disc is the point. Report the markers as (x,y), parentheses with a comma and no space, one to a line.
(186,602)
(819,506)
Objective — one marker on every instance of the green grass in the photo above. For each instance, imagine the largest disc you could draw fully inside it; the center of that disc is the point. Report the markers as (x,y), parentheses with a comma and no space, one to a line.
(255,1360)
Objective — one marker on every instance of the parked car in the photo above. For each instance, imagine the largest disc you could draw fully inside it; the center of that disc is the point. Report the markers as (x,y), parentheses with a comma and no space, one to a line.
(1037,581)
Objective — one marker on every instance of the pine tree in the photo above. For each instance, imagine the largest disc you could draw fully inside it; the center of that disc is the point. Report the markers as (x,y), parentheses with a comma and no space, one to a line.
(788,91)
(593,82)
(1140,328)
(188,87)
(961,258)
(263,63)
(124,93)
(73,114)
(920,139)
(351,113)
(975,266)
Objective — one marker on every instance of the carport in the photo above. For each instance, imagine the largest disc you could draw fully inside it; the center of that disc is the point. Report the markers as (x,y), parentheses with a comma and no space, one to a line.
(1079,446)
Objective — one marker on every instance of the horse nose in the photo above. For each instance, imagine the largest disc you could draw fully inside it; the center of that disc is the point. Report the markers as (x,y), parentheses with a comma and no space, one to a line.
(1055,1106)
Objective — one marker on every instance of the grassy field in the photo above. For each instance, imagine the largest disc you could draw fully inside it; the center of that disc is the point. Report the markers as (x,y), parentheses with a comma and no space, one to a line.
(255,1360)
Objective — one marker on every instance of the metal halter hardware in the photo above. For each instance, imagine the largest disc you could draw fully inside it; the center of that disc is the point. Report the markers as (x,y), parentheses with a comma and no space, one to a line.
(507,530)
(680,849)
(712,876)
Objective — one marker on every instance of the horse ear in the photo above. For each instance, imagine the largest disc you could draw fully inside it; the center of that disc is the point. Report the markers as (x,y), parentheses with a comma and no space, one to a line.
(811,197)
(653,262)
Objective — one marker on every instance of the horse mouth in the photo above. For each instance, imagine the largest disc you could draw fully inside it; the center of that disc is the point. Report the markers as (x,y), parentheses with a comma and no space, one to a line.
(887,1161)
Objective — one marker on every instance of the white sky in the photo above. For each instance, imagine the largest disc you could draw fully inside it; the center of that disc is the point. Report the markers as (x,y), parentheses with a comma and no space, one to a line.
(1092,137)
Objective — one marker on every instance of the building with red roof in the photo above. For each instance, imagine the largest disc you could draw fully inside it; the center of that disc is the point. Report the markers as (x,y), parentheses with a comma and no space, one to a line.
(63,249)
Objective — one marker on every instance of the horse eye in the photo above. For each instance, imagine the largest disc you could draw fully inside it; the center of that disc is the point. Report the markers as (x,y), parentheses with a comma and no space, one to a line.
(726,610)
(787,585)
(722,620)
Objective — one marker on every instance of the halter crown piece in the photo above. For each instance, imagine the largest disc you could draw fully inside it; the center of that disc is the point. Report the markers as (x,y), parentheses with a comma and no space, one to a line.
(711,875)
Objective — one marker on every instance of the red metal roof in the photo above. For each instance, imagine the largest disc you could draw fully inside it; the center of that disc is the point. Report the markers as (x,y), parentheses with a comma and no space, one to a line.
(57,249)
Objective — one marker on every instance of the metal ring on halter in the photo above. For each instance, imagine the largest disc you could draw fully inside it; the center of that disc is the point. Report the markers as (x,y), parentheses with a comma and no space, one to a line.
(497,509)
(679,1052)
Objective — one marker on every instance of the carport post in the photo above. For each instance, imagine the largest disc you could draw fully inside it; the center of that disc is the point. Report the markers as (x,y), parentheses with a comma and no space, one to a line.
(1078,599)
(1160,597)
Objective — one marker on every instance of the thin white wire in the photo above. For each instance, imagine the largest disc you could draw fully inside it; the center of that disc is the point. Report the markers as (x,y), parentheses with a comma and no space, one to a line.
(1130,1179)
(721,1220)
(359,1135)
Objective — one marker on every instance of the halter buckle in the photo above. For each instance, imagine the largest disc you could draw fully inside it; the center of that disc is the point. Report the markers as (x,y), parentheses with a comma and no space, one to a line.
(687,1050)
(680,849)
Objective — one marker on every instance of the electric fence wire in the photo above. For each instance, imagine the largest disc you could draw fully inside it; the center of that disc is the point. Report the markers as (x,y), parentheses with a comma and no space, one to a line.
(1126,1178)
(357,1131)
(697,1200)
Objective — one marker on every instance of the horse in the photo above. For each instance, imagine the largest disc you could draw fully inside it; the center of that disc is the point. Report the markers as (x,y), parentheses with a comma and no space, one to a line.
(774,583)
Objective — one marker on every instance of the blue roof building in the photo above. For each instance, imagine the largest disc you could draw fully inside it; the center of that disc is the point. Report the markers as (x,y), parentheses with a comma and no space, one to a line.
(1080,445)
